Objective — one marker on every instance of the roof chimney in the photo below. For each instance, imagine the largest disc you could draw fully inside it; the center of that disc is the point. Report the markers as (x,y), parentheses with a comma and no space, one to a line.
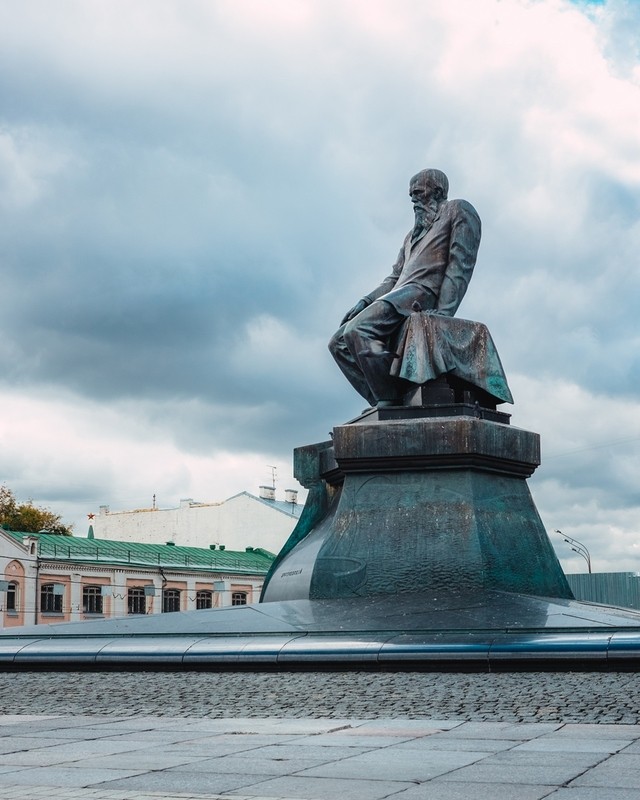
(291,496)
(267,493)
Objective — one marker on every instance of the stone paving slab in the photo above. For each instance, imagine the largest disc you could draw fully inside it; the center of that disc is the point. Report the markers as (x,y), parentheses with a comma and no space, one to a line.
(535,758)
(597,731)
(171,782)
(610,777)
(354,739)
(184,758)
(68,751)
(396,765)
(253,764)
(327,788)
(572,744)
(209,747)
(502,730)
(15,744)
(459,745)
(552,774)
(319,753)
(165,737)
(49,792)
(588,793)
(476,791)
(65,776)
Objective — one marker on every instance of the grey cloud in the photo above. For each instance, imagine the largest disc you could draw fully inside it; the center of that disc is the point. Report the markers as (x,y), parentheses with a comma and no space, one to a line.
(193,174)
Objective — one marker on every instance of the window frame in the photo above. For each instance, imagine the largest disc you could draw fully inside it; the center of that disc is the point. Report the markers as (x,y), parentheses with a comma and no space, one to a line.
(171,597)
(136,599)
(239,598)
(92,595)
(50,602)
(205,595)
(12,596)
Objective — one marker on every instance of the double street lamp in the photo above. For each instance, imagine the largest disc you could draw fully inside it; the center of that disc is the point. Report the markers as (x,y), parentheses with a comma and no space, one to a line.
(577,547)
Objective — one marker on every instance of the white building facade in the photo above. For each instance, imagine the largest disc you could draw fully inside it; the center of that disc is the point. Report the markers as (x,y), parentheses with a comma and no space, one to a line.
(242,521)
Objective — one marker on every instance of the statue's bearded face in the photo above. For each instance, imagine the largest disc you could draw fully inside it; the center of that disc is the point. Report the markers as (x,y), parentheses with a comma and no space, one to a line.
(424,196)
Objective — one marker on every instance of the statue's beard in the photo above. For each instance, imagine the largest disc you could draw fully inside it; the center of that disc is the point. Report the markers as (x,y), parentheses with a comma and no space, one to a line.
(425,213)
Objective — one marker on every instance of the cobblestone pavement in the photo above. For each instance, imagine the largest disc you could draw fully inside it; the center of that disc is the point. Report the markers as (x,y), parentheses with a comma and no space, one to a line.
(509,697)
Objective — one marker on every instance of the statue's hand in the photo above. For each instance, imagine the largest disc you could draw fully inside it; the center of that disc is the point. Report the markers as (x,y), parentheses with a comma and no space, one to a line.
(353,312)
(417,309)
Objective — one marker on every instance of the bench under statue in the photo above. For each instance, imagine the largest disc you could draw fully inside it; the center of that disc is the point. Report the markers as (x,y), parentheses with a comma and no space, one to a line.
(451,360)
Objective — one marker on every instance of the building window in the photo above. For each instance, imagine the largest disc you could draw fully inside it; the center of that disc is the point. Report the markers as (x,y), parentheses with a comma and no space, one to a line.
(51,598)
(92,600)
(171,600)
(136,600)
(204,599)
(12,597)
(239,599)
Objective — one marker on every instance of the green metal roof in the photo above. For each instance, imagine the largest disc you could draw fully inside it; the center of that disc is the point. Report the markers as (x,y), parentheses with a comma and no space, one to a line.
(72,548)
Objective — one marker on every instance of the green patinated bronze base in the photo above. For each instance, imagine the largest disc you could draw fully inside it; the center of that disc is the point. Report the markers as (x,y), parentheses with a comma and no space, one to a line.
(418,505)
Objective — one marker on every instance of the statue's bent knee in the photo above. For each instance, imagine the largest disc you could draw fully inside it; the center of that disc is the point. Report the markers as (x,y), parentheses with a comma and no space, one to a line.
(335,343)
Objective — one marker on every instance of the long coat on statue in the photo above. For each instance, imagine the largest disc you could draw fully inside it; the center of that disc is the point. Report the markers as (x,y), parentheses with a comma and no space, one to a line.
(441,260)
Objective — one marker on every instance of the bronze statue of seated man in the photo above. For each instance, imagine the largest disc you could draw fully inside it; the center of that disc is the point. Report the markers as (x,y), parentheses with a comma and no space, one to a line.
(430,277)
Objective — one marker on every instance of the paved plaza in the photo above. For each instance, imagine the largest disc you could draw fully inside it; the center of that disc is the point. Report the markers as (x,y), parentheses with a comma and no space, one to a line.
(308,736)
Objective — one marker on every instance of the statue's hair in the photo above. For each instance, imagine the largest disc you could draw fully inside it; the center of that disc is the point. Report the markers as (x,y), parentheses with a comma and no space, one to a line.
(435,178)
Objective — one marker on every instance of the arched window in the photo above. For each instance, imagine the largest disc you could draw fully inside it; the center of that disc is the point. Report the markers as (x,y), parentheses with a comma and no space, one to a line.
(12,597)
(92,600)
(51,595)
(136,600)
(239,599)
(204,599)
(171,600)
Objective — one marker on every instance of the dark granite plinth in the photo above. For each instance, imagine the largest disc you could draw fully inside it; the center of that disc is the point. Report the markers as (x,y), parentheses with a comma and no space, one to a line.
(419,505)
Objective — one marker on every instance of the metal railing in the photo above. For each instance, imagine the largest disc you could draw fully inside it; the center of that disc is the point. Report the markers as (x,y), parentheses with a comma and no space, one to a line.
(127,556)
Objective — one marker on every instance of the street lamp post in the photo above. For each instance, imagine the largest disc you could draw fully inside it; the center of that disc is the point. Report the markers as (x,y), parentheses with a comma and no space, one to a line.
(577,547)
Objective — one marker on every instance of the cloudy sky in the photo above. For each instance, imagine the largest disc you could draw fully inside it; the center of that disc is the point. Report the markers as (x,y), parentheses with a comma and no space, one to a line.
(192,193)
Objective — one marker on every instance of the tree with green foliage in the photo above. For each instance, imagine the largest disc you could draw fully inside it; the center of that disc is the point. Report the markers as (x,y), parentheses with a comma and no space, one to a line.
(27,517)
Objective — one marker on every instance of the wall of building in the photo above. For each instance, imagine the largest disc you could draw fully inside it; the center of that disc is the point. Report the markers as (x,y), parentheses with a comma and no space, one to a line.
(239,522)
(18,567)
(21,568)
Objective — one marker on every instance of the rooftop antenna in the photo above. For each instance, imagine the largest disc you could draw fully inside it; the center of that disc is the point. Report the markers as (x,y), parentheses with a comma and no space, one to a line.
(273,475)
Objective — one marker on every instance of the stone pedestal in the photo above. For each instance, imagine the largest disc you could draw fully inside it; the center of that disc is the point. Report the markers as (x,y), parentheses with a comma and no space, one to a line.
(418,505)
